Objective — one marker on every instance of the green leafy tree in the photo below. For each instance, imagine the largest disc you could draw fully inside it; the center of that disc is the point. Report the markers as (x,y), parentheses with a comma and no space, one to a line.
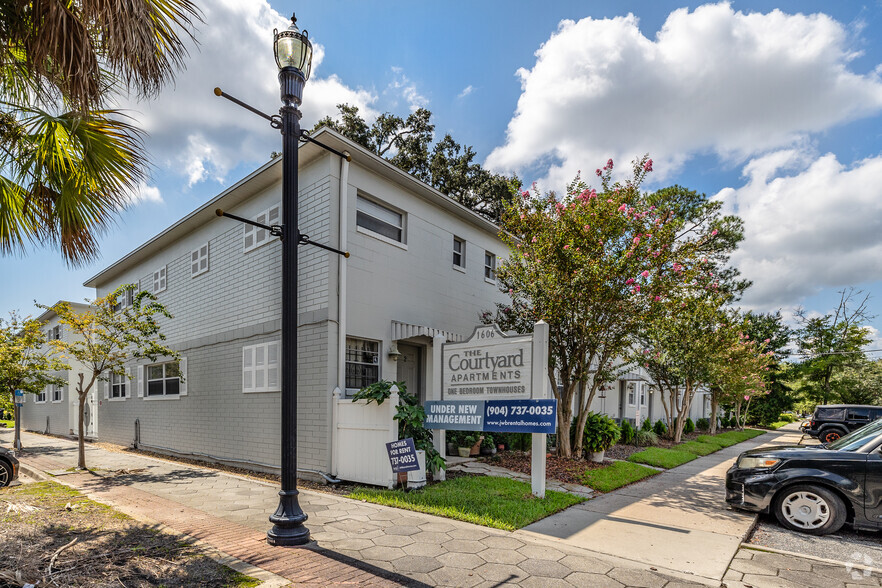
(69,163)
(595,265)
(106,336)
(833,342)
(775,336)
(26,363)
(859,383)
(408,143)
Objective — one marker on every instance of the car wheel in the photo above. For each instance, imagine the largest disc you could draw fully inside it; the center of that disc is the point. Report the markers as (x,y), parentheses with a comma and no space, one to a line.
(810,509)
(5,474)
(831,435)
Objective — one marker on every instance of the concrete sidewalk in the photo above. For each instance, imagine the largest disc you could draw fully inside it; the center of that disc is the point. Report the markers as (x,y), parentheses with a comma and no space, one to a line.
(675,520)
(355,543)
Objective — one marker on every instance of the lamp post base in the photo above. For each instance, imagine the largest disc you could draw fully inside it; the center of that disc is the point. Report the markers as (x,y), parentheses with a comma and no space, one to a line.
(288,529)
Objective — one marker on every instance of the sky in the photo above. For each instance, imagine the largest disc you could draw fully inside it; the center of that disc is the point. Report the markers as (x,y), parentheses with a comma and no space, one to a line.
(773,108)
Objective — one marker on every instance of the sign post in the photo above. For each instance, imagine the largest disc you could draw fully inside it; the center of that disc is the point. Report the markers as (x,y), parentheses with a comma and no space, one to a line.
(495,383)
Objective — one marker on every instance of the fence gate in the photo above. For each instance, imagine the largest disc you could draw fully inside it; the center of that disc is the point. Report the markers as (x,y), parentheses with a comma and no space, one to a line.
(361,431)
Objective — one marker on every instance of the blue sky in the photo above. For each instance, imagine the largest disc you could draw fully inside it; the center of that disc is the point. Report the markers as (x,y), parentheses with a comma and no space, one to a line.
(775,108)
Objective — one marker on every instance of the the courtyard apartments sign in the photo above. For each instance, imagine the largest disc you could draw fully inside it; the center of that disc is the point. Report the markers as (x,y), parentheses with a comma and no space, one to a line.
(487,365)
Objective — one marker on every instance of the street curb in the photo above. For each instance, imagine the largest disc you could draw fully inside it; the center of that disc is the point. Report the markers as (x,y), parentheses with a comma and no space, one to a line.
(852,565)
(33,473)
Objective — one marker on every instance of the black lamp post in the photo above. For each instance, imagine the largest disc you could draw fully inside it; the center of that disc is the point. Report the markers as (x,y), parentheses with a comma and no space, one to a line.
(294,58)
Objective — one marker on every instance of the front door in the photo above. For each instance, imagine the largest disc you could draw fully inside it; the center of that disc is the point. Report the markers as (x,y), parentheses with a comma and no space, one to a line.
(410,370)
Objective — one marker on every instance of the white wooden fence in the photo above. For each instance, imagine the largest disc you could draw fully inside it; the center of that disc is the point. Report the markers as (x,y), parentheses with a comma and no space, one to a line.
(361,431)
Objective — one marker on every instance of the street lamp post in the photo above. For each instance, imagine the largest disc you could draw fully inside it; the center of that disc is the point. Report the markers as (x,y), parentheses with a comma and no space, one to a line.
(294,58)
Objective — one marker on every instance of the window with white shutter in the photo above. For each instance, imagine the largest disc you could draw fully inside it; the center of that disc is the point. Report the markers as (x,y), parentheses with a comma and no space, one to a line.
(254,237)
(160,279)
(199,261)
(261,366)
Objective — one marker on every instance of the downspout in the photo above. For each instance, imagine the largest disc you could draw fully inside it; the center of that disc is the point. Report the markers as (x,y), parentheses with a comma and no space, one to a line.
(343,199)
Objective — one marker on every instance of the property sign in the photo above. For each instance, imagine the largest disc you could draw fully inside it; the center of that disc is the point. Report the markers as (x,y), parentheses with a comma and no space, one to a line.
(495,416)
(402,455)
(19,398)
(488,365)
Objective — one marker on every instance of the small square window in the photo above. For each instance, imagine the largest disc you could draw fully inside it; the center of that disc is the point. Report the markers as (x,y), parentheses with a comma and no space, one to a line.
(489,266)
(160,279)
(459,246)
(261,367)
(124,300)
(254,237)
(199,261)
(164,379)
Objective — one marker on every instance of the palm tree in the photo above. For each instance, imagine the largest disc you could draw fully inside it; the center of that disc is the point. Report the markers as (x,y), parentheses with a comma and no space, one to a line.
(68,163)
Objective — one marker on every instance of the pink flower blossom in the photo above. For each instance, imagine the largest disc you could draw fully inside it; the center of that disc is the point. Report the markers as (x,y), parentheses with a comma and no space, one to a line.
(566,246)
(609,164)
(623,208)
(714,232)
(525,194)
(535,239)
(598,172)
(647,166)
(645,273)
(657,298)
(629,281)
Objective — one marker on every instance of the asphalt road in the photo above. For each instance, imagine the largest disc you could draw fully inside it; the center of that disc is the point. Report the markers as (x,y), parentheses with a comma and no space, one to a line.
(846,546)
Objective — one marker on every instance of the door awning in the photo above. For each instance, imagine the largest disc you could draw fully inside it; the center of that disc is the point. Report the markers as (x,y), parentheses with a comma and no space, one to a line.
(402,330)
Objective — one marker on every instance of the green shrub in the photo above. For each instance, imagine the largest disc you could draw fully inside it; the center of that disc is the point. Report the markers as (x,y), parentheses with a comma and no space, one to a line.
(646,426)
(660,428)
(688,426)
(702,424)
(645,438)
(487,443)
(601,432)
(627,433)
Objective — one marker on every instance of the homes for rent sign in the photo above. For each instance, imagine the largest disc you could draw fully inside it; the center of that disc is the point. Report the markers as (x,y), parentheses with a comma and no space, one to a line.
(495,383)
(488,365)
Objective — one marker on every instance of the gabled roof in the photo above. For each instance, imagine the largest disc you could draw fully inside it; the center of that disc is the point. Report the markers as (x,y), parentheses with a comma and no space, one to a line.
(270,173)
(78,306)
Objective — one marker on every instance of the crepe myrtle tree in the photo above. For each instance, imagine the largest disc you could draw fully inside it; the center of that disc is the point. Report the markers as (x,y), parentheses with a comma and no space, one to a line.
(26,363)
(108,335)
(595,265)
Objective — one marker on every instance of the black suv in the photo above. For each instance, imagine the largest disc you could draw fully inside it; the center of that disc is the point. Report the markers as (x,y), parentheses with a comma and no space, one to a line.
(832,421)
(817,488)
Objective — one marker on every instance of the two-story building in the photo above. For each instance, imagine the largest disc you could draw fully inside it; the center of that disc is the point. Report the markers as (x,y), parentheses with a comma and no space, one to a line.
(420,265)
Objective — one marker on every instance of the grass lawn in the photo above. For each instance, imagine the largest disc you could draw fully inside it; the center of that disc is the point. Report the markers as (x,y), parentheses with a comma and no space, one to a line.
(733,437)
(662,458)
(712,440)
(620,473)
(7,424)
(485,500)
(698,448)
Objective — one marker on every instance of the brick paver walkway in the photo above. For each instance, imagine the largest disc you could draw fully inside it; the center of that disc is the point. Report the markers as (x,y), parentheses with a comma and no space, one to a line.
(356,543)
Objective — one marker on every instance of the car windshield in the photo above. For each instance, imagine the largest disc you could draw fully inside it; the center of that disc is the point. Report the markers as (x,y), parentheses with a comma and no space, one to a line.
(858,438)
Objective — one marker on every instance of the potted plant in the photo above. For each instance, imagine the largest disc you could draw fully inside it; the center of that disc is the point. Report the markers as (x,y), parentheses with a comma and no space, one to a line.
(466,450)
(601,433)
(487,447)
(476,447)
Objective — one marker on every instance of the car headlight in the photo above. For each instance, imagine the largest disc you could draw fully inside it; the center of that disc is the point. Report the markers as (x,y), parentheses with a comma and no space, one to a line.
(752,463)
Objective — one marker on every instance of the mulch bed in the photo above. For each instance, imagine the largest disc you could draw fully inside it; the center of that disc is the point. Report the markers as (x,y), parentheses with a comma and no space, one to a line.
(51,535)
(562,469)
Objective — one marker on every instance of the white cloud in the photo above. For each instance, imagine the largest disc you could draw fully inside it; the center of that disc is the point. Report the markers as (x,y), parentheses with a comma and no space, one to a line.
(402,85)
(201,137)
(145,193)
(466,91)
(819,226)
(711,81)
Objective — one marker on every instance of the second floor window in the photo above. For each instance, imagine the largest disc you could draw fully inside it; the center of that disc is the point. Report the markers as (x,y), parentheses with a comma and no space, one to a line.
(125,299)
(255,236)
(458,252)
(379,219)
(160,279)
(489,266)
(56,394)
(199,261)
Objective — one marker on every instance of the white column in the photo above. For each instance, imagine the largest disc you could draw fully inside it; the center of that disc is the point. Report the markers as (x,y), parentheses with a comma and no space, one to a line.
(540,390)
(439,436)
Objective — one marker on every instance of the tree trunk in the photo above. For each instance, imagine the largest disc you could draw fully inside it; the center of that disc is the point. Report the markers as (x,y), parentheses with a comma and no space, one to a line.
(682,412)
(564,417)
(16,444)
(715,410)
(582,417)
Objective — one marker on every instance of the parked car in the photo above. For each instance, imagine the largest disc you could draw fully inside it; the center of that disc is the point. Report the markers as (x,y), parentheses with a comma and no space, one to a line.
(814,489)
(8,467)
(832,421)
